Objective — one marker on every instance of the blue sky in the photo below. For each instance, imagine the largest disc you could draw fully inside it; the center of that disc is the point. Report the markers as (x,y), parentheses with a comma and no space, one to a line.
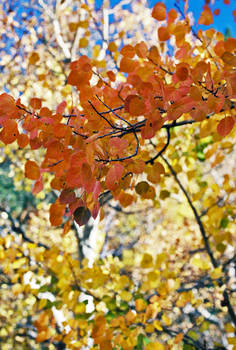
(221,22)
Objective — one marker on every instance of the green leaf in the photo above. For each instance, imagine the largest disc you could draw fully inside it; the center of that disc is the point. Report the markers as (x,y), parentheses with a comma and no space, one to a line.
(224,222)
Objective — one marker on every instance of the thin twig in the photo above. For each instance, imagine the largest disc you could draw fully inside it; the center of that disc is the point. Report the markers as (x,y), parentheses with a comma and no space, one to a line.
(152,160)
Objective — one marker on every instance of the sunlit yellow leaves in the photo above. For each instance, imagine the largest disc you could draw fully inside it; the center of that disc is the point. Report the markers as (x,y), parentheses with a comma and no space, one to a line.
(166,320)
(140,305)
(19,263)
(200,263)
(83,42)
(147,261)
(216,273)
(154,346)
(126,296)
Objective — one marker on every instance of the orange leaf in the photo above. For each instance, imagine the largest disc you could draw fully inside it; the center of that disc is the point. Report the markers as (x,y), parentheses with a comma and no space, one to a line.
(225,126)
(182,71)
(113,176)
(134,105)
(7,105)
(229,58)
(35,103)
(111,75)
(125,199)
(206,17)
(172,15)
(56,213)
(22,140)
(128,51)
(86,174)
(34,57)
(159,11)
(178,338)
(66,227)
(32,170)
(163,34)
(154,55)
(141,49)
(154,172)
(127,65)
(9,133)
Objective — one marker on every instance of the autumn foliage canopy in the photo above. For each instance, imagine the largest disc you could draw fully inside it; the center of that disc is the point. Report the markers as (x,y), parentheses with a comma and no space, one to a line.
(113,140)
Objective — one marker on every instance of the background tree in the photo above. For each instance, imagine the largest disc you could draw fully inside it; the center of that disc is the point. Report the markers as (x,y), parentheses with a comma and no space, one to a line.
(118,138)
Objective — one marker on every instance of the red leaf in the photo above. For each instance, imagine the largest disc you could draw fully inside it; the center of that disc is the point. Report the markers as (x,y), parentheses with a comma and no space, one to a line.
(225,126)
(61,107)
(82,215)
(67,196)
(38,186)
(113,176)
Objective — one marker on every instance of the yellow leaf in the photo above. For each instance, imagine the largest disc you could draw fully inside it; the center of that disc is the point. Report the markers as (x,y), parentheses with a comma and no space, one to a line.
(216,273)
(166,320)
(155,346)
(18,263)
(140,305)
(125,295)
(157,325)
(147,261)
(232,340)
(229,328)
